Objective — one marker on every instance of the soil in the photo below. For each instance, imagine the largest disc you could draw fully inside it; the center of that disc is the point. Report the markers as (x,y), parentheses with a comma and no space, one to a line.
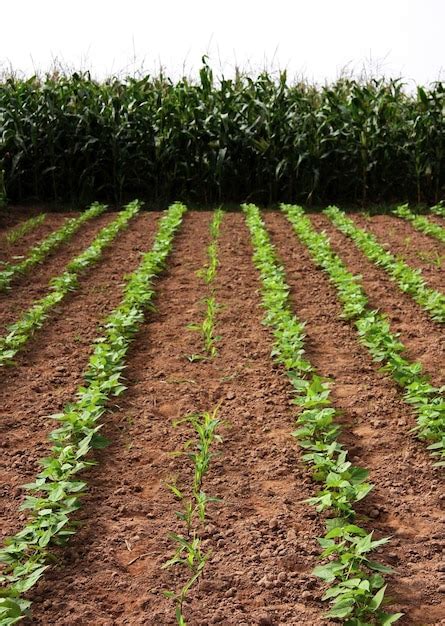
(407,500)
(34,284)
(13,215)
(261,533)
(49,369)
(424,339)
(417,249)
(12,253)
(440,221)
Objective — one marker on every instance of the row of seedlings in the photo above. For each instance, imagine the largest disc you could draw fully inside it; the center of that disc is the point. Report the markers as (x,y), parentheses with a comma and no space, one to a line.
(15,234)
(56,492)
(409,280)
(40,251)
(208,274)
(356,584)
(194,500)
(34,318)
(438,209)
(421,223)
(375,333)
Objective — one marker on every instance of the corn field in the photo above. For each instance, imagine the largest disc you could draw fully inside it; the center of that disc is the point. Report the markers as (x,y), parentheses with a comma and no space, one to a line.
(263,139)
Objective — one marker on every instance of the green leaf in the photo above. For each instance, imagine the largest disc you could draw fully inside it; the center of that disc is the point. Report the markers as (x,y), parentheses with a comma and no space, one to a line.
(386,619)
(377,599)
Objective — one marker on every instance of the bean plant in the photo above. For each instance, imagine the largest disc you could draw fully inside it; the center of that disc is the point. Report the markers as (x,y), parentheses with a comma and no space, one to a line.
(20,332)
(421,223)
(55,495)
(23,229)
(375,333)
(356,586)
(409,280)
(40,251)
(439,209)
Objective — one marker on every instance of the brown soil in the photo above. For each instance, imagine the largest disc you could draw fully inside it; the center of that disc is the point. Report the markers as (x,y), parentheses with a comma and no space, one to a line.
(417,249)
(261,533)
(440,221)
(50,367)
(13,215)
(9,252)
(423,338)
(406,501)
(34,284)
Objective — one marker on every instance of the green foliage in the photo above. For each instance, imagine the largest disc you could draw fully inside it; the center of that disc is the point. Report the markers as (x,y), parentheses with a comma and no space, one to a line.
(40,251)
(23,229)
(21,331)
(439,209)
(55,494)
(408,279)
(375,333)
(208,273)
(188,551)
(356,591)
(421,223)
(68,137)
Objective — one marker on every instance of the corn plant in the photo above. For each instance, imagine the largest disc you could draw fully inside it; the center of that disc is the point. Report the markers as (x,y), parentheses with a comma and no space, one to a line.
(20,332)
(374,332)
(39,252)
(409,280)
(23,229)
(207,330)
(214,140)
(421,223)
(194,503)
(56,494)
(208,273)
(357,587)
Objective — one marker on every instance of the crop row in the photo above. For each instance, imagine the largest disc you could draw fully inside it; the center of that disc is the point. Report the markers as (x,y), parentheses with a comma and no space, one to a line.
(356,583)
(375,333)
(26,227)
(439,209)
(408,279)
(194,501)
(208,273)
(55,494)
(357,586)
(21,331)
(422,223)
(48,245)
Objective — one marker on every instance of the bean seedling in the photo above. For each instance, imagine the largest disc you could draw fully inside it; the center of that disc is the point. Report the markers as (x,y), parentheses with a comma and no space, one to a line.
(357,586)
(23,229)
(55,494)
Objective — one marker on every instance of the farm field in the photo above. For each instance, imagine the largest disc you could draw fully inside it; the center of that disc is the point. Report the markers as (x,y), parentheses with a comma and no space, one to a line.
(252,323)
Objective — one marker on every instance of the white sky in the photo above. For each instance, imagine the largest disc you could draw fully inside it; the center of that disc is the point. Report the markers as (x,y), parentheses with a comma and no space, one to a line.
(316,39)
